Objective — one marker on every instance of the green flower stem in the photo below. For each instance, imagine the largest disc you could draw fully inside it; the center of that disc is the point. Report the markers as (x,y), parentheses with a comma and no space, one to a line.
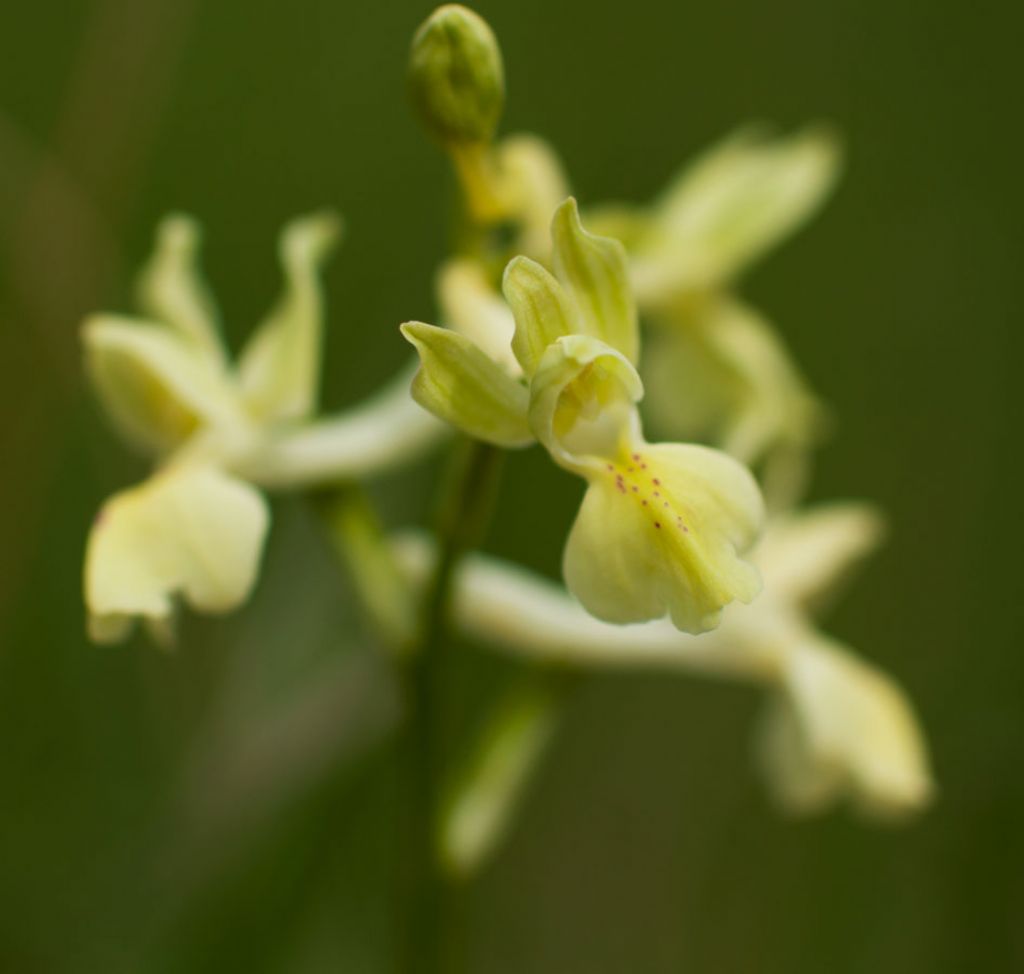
(466,508)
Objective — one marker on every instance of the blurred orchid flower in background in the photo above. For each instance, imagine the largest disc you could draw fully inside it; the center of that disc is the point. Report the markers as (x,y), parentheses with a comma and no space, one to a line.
(219,430)
(717,369)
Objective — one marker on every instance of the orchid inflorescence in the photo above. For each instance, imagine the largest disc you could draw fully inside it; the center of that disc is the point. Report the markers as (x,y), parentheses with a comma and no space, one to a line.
(555,325)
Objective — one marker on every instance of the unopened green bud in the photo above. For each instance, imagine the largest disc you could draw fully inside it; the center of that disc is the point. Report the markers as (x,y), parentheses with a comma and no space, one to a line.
(456,76)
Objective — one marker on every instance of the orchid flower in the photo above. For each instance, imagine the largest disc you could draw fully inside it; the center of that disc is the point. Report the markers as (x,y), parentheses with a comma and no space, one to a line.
(663,526)
(218,430)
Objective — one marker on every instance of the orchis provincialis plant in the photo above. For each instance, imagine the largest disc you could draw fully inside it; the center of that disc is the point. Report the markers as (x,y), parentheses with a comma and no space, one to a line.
(218,430)
(834,727)
(663,526)
(542,345)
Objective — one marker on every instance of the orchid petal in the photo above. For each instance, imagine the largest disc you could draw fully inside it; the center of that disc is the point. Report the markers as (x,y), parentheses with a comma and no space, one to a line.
(842,728)
(279,368)
(171,289)
(157,387)
(189,531)
(458,383)
(663,530)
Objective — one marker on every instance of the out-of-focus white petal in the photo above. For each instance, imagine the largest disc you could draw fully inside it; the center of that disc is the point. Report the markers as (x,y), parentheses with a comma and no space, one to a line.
(279,369)
(534,183)
(718,370)
(691,392)
(470,306)
(388,430)
(839,728)
(171,289)
(157,387)
(808,555)
(192,532)
(729,207)
(774,404)
(506,606)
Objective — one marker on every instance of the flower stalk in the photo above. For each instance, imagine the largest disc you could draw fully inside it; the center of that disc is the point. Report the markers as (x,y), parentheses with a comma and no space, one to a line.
(465,510)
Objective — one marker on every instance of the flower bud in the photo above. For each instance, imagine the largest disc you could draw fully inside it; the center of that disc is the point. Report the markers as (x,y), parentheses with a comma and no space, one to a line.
(456,77)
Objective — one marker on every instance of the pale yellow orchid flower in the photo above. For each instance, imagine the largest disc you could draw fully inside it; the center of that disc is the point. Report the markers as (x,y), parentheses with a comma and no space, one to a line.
(663,526)
(218,430)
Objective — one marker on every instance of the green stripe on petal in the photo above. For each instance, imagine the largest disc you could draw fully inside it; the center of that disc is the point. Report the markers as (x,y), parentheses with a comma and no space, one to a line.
(595,271)
(458,383)
(541,308)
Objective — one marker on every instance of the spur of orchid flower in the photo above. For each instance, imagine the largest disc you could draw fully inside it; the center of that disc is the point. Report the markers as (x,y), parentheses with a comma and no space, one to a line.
(663,526)
(218,430)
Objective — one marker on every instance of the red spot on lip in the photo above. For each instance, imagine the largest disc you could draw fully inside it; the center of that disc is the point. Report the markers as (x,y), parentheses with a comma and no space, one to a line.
(610,467)
(656,494)
(636,456)
(656,482)
(644,503)
(657,524)
(636,490)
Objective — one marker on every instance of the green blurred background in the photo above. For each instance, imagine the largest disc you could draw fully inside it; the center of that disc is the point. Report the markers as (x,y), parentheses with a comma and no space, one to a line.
(232,806)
